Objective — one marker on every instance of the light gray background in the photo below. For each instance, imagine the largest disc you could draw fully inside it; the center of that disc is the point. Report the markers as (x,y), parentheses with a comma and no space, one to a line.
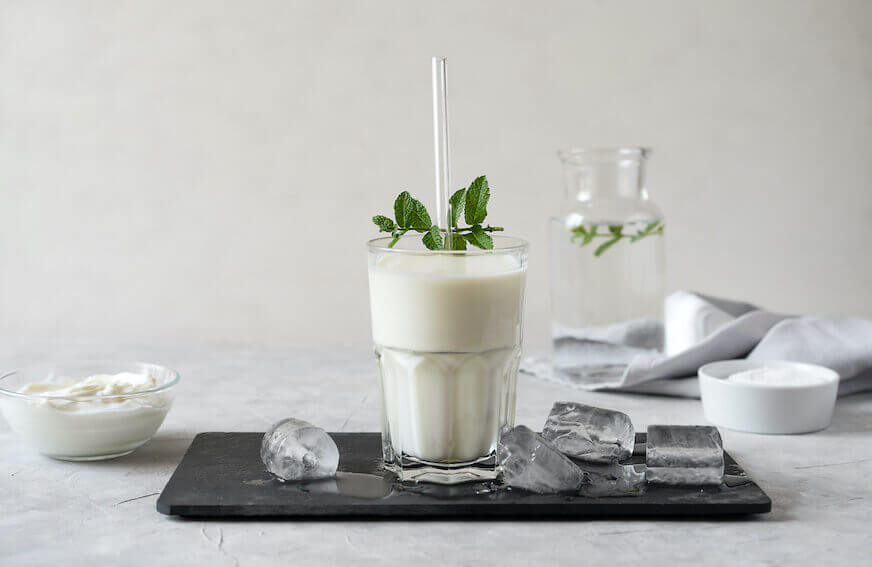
(204,170)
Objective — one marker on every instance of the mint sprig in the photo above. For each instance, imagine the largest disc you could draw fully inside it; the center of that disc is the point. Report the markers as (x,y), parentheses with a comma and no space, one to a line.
(411,214)
(615,233)
(477,197)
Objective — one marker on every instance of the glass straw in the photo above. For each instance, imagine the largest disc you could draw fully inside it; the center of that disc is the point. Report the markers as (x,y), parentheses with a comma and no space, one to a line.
(440,148)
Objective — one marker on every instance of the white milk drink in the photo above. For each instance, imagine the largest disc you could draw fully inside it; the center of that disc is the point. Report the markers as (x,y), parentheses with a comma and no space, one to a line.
(447,332)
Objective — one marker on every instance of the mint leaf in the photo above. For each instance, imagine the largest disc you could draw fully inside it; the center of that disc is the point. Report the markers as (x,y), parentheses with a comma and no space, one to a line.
(606,245)
(418,218)
(456,203)
(652,228)
(477,197)
(586,235)
(457,242)
(578,231)
(433,239)
(478,237)
(615,233)
(402,209)
(411,214)
(384,223)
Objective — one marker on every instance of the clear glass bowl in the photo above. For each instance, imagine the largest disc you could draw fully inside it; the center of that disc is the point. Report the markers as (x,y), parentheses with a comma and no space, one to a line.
(86,428)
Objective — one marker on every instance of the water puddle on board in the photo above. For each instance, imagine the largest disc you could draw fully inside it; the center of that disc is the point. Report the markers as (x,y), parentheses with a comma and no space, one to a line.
(356,485)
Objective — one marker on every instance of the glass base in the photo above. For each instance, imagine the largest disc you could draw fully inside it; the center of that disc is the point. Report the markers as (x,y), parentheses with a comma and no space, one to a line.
(410,469)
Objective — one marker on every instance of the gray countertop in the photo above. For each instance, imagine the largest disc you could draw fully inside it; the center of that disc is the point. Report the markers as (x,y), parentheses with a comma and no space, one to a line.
(76,513)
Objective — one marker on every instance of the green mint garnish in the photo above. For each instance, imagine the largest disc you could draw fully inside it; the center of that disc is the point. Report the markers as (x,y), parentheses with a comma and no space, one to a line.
(411,214)
(433,239)
(384,223)
(615,234)
(478,237)
(401,205)
(655,227)
(476,201)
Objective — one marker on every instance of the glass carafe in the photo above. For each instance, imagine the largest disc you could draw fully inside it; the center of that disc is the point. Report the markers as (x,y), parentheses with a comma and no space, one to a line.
(607,266)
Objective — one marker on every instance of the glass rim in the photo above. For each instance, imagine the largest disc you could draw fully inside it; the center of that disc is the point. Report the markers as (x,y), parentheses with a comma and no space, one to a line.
(175,378)
(502,245)
(582,154)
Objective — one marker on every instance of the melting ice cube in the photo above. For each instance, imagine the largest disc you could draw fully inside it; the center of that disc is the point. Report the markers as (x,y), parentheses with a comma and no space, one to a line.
(614,479)
(528,461)
(684,455)
(293,449)
(590,434)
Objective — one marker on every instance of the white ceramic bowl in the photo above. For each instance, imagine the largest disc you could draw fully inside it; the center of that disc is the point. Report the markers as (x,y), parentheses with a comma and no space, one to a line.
(762,408)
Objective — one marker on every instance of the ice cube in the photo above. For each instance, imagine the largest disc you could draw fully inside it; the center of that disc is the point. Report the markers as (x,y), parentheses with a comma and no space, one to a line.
(590,434)
(528,461)
(293,449)
(684,455)
(614,479)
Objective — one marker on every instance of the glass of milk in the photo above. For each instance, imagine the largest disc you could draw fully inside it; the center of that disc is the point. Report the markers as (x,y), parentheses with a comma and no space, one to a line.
(447,327)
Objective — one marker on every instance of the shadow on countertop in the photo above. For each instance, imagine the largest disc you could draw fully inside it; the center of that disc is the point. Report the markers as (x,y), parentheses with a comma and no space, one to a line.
(851,416)
(160,452)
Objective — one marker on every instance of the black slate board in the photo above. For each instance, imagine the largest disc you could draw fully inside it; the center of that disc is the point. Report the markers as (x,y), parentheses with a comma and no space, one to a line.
(222,475)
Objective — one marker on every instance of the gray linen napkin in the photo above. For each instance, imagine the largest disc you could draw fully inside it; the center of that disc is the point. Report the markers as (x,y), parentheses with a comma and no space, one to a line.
(836,341)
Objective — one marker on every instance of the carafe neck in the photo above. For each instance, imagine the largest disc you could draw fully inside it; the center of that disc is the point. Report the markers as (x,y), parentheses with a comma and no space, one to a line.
(603,173)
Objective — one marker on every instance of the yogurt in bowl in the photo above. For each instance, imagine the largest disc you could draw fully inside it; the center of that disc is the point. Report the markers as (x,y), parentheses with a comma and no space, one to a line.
(87,412)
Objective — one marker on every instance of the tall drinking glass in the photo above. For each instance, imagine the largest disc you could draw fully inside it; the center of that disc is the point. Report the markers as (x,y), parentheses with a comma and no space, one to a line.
(447,327)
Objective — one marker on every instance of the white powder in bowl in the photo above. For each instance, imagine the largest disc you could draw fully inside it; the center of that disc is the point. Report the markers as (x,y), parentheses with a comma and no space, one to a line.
(779,376)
